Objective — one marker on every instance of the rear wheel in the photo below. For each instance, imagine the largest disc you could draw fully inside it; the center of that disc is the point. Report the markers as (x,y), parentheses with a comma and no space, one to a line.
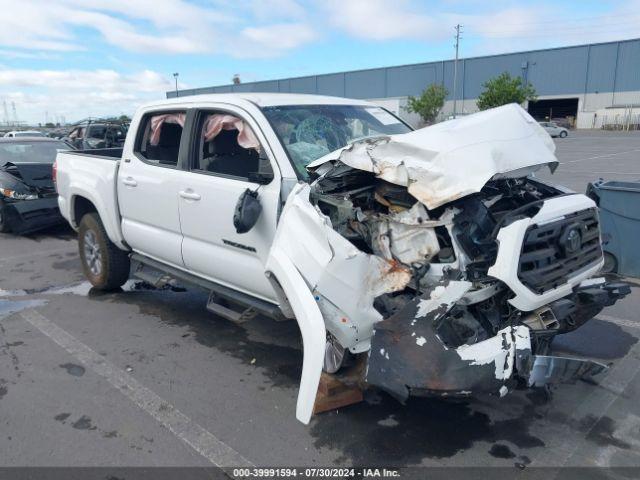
(104,264)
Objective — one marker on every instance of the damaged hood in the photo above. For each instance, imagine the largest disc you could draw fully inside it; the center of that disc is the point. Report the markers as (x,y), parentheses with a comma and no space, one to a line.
(450,160)
(38,175)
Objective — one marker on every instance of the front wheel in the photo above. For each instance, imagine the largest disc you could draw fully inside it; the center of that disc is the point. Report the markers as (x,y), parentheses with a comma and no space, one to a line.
(104,264)
(563,134)
(610,263)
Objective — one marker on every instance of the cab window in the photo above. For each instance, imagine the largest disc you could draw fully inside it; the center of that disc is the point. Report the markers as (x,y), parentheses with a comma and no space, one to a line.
(159,143)
(228,146)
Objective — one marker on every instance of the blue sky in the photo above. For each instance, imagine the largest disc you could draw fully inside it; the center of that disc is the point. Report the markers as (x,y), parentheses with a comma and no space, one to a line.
(75,58)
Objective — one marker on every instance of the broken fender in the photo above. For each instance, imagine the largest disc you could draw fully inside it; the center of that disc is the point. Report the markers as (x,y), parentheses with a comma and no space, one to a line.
(327,282)
(311,326)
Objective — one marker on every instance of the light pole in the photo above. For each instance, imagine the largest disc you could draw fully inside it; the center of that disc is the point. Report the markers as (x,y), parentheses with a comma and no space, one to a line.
(455,71)
(175,75)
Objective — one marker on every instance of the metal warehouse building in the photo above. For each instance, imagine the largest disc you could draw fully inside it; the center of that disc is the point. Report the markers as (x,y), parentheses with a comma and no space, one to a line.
(594,85)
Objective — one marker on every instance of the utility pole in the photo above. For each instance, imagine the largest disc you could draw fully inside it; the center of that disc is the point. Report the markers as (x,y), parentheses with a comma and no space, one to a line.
(175,75)
(6,112)
(455,70)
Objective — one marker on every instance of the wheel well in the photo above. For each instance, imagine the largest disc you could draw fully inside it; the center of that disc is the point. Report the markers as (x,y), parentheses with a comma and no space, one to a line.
(82,206)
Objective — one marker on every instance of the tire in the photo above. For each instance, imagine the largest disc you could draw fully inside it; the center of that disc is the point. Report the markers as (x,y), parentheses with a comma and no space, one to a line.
(610,264)
(104,264)
(4,219)
(563,134)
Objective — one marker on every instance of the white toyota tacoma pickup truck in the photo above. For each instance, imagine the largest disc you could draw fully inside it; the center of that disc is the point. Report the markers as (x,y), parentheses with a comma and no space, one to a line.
(434,256)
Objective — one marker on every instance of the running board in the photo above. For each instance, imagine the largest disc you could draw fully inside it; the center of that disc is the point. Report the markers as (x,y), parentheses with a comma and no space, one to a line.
(157,279)
(214,306)
(159,274)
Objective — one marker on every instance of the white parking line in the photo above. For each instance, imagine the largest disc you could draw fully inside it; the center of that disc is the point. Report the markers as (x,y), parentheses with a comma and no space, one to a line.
(201,440)
(621,322)
(603,156)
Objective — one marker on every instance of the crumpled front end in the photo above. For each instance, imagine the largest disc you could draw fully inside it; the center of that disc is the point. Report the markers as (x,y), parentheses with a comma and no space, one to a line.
(449,290)
(416,352)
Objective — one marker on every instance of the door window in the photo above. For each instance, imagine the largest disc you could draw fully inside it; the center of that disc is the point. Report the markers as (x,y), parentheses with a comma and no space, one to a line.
(97,132)
(76,133)
(229,147)
(159,143)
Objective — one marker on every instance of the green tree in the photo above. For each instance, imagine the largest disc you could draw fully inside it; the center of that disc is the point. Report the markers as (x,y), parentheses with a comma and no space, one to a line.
(504,89)
(124,118)
(429,103)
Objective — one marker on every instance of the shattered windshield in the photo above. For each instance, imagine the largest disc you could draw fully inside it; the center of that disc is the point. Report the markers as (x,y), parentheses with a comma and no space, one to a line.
(309,132)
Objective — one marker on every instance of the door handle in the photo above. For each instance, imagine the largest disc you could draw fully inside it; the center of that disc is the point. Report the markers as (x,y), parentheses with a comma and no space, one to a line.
(189,195)
(130,182)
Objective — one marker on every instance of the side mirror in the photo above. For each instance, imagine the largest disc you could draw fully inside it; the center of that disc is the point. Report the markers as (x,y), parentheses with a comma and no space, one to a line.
(261,178)
(247,211)
(264,175)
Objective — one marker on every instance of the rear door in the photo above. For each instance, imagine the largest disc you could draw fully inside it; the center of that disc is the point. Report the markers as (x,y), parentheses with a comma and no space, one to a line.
(149,182)
(221,169)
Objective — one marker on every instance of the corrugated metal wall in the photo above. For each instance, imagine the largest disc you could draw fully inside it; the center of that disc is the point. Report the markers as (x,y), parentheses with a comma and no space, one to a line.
(606,67)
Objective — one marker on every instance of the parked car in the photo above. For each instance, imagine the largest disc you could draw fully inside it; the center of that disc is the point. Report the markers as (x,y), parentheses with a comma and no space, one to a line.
(564,122)
(28,200)
(23,133)
(97,134)
(433,256)
(555,130)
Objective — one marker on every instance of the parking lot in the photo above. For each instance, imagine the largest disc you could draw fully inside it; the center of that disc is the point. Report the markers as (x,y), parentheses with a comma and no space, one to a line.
(149,377)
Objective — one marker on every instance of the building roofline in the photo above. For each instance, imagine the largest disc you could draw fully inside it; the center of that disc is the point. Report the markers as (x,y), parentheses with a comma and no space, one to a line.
(410,65)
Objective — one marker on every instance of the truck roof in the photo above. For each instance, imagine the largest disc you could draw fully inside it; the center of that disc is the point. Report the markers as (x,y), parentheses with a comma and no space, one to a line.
(261,99)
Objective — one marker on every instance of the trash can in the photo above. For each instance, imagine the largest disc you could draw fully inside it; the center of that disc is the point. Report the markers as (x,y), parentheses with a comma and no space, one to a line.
(619,204)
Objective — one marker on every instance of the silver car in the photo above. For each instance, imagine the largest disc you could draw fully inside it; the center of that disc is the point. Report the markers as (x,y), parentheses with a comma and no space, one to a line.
(554,129)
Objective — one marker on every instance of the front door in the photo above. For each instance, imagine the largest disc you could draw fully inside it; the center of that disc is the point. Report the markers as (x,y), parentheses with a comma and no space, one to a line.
(148,187)
(228,158)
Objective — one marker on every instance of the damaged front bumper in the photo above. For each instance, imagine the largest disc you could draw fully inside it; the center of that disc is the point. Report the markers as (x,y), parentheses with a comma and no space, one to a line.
(410,356)
(25,216)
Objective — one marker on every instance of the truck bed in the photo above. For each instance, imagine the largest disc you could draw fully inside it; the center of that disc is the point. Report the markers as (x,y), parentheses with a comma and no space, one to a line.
(104,153)
(93,181)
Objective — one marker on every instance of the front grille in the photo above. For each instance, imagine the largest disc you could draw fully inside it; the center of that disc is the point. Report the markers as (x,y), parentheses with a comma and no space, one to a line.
(549,258)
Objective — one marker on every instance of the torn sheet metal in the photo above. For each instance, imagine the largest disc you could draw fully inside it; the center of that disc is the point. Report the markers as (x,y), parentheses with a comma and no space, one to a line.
(344,280)
(408,356)
(447,161)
